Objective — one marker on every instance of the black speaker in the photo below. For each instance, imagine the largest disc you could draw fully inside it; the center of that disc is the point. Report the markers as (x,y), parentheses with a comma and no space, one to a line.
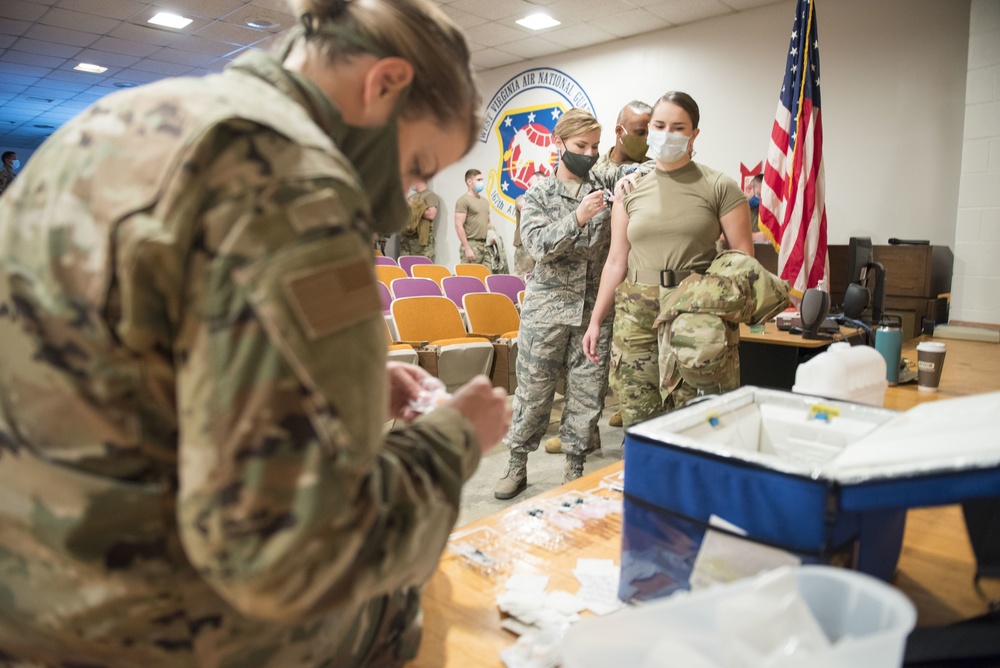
(813,309)
(856,299)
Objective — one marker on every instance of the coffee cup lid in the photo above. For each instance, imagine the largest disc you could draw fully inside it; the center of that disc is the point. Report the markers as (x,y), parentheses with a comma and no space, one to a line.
(931,346)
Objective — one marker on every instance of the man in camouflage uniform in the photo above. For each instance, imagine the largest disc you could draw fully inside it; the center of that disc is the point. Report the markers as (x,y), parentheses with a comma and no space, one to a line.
(472,220)
(191,469)
(557,305)
(420,241)
(699,325)
(8,164)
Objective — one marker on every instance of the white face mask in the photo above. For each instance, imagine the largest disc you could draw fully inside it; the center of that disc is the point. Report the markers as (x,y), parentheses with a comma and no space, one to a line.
(666,146)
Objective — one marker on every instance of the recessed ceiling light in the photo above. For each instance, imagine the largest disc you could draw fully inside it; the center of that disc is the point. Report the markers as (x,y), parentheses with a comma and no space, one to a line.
(170,20)
(261,23)
(94,69)
(537,22)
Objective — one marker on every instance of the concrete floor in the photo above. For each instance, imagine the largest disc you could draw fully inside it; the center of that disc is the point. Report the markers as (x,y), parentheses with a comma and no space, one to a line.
(545,471)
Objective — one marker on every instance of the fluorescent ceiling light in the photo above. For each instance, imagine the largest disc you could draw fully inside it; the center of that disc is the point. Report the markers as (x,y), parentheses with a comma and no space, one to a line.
(537,22)
(88,67)
(170,20)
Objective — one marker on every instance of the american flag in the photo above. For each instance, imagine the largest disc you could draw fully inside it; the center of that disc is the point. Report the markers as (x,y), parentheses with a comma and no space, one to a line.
(793,206)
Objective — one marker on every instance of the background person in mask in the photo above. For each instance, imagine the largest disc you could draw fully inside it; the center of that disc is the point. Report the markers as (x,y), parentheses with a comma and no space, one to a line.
(564,228)
(670,221)
(8,169)
(472,219)
(753,199)
(193,380)
(630,138)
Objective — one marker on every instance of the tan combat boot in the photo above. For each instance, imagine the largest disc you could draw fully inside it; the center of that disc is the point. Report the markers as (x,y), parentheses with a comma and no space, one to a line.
(574,467)
(515,479)
(615,420)
(553,446)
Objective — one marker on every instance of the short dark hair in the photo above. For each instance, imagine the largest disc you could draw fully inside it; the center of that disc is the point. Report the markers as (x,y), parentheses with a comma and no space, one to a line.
(758,178)
(7,154)
(685,102)
(472,173)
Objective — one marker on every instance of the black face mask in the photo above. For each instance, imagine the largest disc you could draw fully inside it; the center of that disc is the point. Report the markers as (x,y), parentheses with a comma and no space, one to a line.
(578,164)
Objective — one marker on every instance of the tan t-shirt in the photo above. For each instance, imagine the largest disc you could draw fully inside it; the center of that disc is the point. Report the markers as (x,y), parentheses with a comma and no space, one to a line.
(477,215)
(674,217)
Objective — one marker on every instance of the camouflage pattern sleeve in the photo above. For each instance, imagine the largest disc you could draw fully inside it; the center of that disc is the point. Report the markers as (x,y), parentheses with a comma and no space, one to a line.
(549,228)
(291,503)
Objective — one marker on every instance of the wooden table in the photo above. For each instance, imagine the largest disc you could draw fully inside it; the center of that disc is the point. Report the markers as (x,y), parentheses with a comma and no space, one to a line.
(462,623)
(769,359)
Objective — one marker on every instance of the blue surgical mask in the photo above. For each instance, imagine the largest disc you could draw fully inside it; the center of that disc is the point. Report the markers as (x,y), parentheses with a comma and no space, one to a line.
(480,187)
(754,202)
(16,164)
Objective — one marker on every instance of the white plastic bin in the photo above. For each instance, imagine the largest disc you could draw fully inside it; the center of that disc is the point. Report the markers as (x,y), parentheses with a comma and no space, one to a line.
(866,620)
(850,373)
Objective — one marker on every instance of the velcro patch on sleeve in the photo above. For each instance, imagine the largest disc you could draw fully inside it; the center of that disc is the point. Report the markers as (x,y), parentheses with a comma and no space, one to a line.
(334,296)
(316,210)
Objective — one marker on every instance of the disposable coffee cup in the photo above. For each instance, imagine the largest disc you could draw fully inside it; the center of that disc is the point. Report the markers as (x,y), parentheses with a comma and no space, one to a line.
(930,361)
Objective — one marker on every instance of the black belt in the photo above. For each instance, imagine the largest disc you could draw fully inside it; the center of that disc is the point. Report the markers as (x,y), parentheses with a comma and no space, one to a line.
(666,278)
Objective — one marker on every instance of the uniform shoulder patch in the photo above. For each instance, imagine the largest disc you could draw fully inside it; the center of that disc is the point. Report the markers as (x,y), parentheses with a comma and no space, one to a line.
(316,210)
(334,296)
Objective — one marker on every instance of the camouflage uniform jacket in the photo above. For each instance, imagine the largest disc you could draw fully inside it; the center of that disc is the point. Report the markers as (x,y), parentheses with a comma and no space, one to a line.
(193,392)
(568,258)
(7,177)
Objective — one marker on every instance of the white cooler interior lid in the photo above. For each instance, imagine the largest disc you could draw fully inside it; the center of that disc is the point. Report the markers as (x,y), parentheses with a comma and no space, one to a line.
(952,434)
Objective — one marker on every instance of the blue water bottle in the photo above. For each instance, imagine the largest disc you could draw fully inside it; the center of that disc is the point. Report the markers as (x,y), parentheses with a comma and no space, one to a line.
(889,342)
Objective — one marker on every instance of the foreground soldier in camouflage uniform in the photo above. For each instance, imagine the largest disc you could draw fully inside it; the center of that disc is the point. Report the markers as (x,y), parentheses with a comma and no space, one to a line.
(564,228)
(193,381)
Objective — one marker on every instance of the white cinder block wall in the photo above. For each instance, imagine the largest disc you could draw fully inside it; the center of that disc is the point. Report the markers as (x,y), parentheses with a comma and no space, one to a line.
(976,281)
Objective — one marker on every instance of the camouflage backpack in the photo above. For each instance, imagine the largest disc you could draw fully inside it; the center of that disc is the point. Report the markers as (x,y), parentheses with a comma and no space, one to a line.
(417,208)
(699,320)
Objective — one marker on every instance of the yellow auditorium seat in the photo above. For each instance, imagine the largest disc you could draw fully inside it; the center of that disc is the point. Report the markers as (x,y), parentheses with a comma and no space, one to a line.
(436,320)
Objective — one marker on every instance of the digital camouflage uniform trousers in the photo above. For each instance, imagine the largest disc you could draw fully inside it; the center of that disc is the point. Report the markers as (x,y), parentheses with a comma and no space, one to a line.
(410,245)
(557,305)
(478,247)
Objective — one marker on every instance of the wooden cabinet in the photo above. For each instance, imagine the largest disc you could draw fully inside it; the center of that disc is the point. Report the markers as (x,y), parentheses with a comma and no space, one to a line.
(915,276)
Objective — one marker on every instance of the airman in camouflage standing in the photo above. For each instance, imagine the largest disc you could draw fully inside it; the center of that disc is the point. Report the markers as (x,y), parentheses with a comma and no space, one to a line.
(193,381)
(420,240)
(564,227)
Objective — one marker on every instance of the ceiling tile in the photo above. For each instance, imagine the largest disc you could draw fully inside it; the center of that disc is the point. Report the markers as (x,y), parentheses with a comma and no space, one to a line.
(250,12)
(51,49)
(15,80)
(749,4)
(188,58)
(112,9)
(490,58)
(582,11)
(206,46)
(280,6)
(23,58)
(634,22)
(63,85)
(578,36)
(73,76)
(159,67)
(493,34)
(63,18)
(209,9)
(125,47)
(221,31)
(138,33)
(106,58)
(60,35)
(13,27)
(532,47)
(11,88)
(463,19)
(135,76)
(20,10)
(686,11)
(23,70)
(6,41)
(495,9)
(50,93)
